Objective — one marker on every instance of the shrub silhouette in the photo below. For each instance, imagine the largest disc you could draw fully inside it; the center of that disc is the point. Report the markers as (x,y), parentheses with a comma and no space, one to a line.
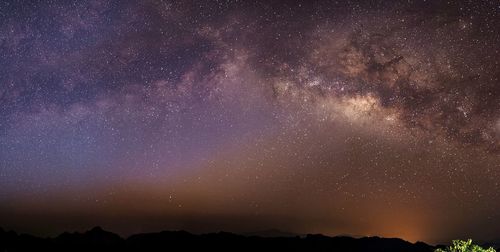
(465,246)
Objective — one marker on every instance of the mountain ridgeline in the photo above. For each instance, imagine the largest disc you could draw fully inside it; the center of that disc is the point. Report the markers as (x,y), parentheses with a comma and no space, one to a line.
(99,240)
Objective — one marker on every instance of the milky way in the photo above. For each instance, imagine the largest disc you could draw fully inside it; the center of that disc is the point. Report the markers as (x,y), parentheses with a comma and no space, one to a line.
(341,117)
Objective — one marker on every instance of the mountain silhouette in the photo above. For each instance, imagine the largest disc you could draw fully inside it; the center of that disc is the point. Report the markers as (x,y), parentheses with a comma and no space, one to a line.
(98,239)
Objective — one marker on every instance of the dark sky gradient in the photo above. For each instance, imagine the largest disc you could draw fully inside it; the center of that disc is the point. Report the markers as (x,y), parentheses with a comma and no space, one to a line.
(335,117)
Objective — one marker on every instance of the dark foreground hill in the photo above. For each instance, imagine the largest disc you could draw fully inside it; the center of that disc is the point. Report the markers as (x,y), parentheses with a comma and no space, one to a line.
(100,240)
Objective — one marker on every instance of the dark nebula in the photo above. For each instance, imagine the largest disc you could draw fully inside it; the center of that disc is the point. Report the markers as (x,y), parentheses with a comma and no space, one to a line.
(334,117)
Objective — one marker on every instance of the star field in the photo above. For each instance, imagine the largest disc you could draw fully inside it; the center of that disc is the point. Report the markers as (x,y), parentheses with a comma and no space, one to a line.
(335,117)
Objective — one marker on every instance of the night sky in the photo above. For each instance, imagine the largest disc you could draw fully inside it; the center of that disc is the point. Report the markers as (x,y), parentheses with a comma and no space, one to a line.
(334,117)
